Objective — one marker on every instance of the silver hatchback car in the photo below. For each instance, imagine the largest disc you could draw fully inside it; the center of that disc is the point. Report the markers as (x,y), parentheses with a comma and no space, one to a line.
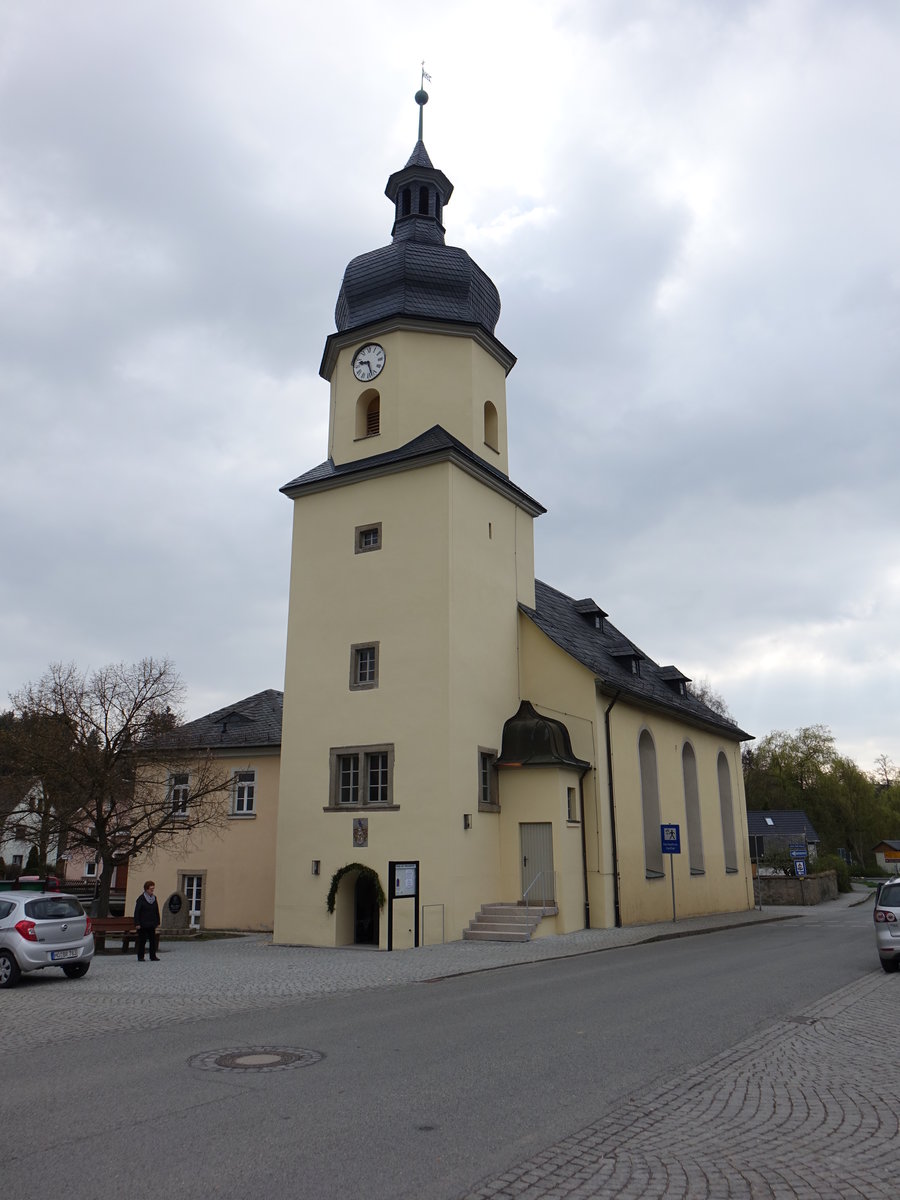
(43,929)
(887,924)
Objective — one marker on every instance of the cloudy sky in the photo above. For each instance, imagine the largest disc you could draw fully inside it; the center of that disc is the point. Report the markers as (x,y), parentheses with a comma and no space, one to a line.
(690,207)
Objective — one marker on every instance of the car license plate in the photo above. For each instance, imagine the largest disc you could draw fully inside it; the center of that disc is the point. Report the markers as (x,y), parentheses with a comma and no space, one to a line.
(56,955)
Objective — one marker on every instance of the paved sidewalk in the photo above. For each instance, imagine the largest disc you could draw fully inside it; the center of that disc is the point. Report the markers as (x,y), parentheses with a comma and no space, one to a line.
(807,1109)
(198,979)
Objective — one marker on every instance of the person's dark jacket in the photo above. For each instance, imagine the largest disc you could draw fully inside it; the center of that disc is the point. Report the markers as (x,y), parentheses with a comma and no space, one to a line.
(146,915)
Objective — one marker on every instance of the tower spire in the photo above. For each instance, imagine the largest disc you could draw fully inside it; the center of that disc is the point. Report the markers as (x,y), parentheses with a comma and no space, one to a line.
(422,96)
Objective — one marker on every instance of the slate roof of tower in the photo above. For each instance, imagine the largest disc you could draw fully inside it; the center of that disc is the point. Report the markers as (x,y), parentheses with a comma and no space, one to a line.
(254,721)
(436,444)
(417,275)
(607,653)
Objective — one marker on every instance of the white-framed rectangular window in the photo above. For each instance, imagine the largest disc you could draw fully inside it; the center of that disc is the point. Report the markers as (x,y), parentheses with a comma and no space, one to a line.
(179,794)
(90,870)
(488,783)
(363,666)
(367,538)
(244,794)
(361,777)
(571,804)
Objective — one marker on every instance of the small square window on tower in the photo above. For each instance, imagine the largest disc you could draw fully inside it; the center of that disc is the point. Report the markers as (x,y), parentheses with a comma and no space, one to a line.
(363,666)
(367,537)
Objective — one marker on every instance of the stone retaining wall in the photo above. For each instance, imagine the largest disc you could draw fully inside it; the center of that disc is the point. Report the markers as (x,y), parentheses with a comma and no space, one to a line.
(780,889)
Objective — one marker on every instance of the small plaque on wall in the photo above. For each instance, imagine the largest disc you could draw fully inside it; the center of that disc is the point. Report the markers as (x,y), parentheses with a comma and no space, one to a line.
(361,831)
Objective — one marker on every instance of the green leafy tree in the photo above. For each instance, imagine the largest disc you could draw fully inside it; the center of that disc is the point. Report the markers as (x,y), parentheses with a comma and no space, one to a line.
(803,770)
(101,749)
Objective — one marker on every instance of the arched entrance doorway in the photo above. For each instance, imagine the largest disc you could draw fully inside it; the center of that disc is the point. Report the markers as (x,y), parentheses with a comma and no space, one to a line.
(365,911)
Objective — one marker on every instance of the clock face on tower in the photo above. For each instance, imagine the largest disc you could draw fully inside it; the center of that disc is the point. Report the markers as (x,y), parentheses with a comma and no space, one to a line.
(368,362)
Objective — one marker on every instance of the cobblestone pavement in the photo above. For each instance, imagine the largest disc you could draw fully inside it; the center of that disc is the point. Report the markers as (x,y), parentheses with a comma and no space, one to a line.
(804,1109)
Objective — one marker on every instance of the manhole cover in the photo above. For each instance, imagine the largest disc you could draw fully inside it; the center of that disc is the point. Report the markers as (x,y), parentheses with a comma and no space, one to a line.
(254,1058)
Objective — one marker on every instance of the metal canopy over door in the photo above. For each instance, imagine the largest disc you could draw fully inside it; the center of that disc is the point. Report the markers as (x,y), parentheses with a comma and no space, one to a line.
(536,838)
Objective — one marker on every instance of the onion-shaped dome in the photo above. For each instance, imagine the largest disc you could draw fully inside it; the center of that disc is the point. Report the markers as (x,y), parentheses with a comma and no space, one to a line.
(417,275)
(532,740)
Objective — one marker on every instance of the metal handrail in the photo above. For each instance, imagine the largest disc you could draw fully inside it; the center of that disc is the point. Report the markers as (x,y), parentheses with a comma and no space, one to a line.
(540,875)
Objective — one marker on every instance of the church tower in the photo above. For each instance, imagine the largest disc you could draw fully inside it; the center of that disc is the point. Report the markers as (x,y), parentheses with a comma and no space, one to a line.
(412,551)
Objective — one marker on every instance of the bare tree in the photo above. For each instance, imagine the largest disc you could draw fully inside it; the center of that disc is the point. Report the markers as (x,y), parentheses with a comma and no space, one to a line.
(704,691)
(104,749)
(885,773)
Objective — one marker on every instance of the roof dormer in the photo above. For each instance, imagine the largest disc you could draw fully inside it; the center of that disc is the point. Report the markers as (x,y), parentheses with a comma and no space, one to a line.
(592,613)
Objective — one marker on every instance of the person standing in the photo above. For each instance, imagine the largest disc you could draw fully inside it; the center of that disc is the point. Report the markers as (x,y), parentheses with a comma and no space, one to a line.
(146,918)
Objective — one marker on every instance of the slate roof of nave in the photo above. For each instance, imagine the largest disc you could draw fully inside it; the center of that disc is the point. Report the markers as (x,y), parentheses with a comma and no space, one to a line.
(608,653)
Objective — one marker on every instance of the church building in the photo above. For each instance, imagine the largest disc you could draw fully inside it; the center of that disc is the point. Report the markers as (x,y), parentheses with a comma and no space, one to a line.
(457,734)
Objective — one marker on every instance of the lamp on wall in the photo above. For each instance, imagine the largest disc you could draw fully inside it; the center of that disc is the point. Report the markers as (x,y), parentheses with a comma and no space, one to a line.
(316,866)
(467,820)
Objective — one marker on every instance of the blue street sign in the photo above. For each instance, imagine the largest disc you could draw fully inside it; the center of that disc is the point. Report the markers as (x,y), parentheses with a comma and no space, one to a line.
(671,839)
(800,868)
(798,850)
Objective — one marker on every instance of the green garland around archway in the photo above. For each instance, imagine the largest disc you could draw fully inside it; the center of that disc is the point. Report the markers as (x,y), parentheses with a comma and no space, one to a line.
(339,875)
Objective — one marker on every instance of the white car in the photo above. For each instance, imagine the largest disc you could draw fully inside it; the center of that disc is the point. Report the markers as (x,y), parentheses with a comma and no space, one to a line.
(43,929)
(887,924)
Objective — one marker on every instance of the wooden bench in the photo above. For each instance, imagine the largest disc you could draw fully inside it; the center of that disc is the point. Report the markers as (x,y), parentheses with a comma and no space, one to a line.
(105,927)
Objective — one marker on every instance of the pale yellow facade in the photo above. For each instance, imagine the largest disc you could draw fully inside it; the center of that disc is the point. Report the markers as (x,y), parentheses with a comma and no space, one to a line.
(441,600)
(433,713)
(563,688)
(430,377)
(235,864)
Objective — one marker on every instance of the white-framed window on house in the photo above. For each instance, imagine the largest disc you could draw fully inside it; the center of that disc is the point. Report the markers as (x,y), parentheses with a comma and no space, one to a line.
(488,781)
(243,794)
(367,538)
(363,666)
(179,793)
(361,777)
(18,860)
(90,870)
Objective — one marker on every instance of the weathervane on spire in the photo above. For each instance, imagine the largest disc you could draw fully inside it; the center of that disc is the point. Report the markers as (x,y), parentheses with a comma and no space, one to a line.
(422,96)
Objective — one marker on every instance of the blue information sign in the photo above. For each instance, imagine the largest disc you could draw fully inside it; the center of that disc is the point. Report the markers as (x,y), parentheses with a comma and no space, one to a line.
(798,850)
(671,839)
(800,867)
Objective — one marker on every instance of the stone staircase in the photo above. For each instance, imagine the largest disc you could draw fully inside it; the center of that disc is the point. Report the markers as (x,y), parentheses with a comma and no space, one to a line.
(506,923)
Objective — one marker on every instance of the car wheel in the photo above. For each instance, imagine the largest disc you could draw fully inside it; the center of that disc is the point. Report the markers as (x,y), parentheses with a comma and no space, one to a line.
(76,970)
(890,965)
(9,970)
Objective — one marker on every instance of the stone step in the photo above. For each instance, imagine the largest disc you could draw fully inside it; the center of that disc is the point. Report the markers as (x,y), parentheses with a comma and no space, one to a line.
(480,935)
(509,915)
(502,926)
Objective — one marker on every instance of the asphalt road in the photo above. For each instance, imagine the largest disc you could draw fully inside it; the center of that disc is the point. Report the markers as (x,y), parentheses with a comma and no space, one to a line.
(423,1089)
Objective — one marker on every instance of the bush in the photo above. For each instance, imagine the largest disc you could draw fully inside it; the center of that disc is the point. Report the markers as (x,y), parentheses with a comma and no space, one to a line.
(833,862)
(778,859)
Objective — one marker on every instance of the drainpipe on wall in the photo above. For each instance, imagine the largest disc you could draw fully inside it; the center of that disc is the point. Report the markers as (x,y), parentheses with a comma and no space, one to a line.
(612,812)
